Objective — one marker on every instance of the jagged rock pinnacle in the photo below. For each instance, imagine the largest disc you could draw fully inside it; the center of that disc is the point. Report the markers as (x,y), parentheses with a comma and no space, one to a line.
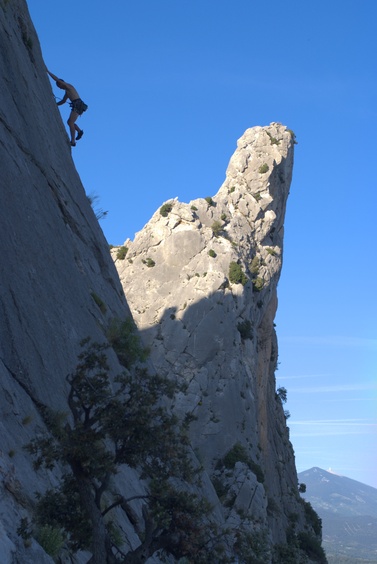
(200,279)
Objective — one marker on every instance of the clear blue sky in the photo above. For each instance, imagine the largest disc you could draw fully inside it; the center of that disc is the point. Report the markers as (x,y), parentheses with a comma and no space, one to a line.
(171,86)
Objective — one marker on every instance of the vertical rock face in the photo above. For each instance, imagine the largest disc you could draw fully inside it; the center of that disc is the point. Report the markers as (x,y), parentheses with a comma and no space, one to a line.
(56,273)
(201,280)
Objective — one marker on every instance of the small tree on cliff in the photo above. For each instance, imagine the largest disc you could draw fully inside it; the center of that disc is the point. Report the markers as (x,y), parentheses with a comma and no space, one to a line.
(109,426)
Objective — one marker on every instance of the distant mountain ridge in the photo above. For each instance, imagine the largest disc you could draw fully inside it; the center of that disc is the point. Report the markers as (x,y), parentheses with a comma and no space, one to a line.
(348,510)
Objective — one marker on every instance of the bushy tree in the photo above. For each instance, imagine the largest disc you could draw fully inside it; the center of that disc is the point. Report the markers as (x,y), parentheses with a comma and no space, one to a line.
(110,424)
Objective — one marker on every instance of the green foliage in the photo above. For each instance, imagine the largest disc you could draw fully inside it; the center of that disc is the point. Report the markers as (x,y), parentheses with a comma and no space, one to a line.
(209,201)
(99,301)
(258,284)
(282,394)
(99,212)
(263,168)
(24,529)
(62,509)
(252,547)
(238,453)
(212,253)
(122,252)
(302,488)
(254,265)
(236,274)
(216,228)
(287,554)
(110,424)
(271,251)
(124,339)
(246,329)
(149,262)
(51,540)
(312,517)
(257,196)
(273,140)
(293,136)
(223,217)
(166,209)
(194,208)
(312,547)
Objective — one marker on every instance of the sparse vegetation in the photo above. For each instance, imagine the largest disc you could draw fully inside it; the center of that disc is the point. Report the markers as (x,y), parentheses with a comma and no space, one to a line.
(165,209)
(149,262)
(263,168)
(51,540)
(236,274)
(216,228)
(99,212)
(125,340)
(293,136)
(273,140)
(122,252)
(271,251)
(238,453)
(99,301)
(245,329)
(312,517)
(281,394)
(210,201)
(254,265)
(258,284)
(311,545)
(212,253)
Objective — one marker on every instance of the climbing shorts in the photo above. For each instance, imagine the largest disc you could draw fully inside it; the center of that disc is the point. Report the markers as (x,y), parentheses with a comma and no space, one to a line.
(78,106)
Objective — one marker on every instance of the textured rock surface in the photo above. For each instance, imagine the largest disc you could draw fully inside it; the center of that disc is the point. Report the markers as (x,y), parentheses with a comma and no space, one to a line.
(54,259)
(217,335)
(58,285)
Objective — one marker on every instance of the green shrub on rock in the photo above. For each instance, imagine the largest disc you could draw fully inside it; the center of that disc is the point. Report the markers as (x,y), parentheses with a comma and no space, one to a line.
(236,274)
(166,209)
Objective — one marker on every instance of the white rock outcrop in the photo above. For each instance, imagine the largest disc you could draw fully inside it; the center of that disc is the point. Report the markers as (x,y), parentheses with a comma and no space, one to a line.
(216,332)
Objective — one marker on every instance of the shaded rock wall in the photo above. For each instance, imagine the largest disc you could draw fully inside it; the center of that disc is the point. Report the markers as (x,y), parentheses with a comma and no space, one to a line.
(54,262)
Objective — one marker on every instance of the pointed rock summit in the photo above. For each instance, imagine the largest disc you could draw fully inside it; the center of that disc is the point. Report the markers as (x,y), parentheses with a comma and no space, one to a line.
(200,279)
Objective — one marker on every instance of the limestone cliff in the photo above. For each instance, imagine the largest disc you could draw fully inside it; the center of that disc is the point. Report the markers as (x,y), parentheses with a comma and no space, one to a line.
(201,279)
(58,283)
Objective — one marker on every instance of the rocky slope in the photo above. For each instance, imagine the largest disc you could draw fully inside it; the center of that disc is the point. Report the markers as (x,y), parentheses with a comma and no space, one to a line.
(59,285)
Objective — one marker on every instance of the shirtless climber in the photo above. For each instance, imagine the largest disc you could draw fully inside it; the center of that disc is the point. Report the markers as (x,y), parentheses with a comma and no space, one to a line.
(77,106)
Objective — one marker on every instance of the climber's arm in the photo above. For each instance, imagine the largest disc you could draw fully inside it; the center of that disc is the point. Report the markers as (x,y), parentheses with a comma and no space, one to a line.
(52,75)
(63,100)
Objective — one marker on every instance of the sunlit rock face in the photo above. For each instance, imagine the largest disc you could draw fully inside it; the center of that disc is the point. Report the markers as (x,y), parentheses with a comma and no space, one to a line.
(201,279)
